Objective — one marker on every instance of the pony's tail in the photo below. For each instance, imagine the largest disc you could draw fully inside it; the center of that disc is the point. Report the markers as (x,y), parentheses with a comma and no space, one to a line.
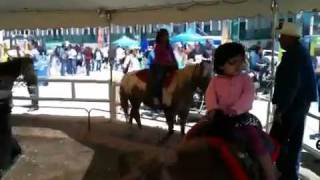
(124,102)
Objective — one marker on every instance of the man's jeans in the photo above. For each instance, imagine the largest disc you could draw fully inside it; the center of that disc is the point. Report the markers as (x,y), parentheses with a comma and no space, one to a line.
(289,133)
(63,67)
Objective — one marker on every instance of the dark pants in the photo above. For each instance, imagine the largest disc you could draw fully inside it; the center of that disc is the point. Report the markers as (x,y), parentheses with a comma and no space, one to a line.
(158,75)
(9,147)
(92,65)
(290,135)
(262,70)
(98,65)
(71,66)
(34,102)
(88,67)
(74,66)
(63,67)
(105,60)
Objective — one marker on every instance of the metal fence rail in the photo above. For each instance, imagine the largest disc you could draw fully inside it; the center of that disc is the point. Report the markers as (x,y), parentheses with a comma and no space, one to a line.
(111,100)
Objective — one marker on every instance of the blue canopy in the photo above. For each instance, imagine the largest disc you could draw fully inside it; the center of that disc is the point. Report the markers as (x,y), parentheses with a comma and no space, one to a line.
(188,36)
(126,42)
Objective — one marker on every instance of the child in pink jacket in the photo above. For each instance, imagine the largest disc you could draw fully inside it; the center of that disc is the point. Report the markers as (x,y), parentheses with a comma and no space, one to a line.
(232,92)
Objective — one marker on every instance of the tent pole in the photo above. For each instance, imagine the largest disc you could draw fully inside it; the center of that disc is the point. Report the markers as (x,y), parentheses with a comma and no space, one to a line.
(274,8)
(112,85)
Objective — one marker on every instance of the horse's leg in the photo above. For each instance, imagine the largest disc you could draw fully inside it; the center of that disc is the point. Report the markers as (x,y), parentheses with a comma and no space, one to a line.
(183,118)
(170,120)
(134,113)
(131,115)
(34,102)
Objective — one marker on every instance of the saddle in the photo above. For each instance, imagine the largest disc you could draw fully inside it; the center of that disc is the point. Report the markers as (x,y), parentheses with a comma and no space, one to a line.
(222,127)
(144,75)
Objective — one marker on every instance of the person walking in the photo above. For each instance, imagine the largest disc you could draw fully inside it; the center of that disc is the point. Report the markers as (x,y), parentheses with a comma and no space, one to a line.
(88,57)
(98,58)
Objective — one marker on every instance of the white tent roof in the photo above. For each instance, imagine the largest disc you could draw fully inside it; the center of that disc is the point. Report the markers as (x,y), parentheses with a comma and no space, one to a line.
(66,13)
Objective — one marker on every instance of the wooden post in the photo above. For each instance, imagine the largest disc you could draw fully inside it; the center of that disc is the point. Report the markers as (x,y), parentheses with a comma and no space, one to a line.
(113,104)
(73,90)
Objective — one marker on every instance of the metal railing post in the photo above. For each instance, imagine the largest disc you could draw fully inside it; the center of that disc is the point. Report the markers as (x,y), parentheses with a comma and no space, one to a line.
(270,108)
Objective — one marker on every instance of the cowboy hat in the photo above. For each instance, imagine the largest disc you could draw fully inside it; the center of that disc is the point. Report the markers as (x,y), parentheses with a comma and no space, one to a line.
(290,29)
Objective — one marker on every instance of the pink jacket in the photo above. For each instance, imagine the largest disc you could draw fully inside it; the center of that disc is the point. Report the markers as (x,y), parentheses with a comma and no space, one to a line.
(236,93)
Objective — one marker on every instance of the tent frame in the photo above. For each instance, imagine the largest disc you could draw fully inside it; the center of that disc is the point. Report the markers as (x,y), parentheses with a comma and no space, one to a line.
(270,108)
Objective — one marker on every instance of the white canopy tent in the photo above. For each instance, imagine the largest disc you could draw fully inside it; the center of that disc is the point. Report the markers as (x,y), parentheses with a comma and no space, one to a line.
(80,13)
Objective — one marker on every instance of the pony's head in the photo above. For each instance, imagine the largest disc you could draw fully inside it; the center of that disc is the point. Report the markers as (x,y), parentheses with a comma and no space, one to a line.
(201,75)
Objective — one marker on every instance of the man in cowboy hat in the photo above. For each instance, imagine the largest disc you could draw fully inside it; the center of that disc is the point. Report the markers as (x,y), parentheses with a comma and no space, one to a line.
(295,89)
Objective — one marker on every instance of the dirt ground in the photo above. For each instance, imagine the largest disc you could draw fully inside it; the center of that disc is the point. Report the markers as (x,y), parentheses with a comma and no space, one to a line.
(49,158)
(114,142)
(111,141)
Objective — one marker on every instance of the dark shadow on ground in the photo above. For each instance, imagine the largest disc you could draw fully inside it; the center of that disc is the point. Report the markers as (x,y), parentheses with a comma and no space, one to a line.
(105,163)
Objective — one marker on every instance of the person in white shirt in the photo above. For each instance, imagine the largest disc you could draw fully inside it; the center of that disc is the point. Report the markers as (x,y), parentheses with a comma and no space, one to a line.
(98,58)
(34,52)
(105,53)
(72,63)
(131,62)
(120,55)
(179,55)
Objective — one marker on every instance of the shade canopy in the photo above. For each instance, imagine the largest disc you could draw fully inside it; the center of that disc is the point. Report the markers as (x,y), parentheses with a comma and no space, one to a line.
(189,36)
(80,13)
(126,42)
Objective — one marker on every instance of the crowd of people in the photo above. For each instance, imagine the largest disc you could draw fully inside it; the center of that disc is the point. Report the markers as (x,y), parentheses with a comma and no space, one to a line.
(130,60)
(73,59)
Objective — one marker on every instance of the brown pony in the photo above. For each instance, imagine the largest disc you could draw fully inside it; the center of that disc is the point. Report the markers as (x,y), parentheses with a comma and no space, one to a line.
(177,93)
